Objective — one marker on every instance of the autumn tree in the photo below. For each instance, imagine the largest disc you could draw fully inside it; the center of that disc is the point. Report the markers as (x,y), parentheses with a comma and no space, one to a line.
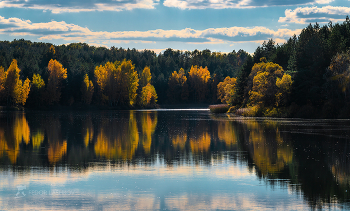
(56,75)
(226,90)
(87,90)
(130,76)
(145,77)
(149,96)
(178,88)
(101,76)
(339,71)
(264,89)
(199,79)
(2,82)
(117,82)
(21,91)
(37,90)
(12,78)
(284,86)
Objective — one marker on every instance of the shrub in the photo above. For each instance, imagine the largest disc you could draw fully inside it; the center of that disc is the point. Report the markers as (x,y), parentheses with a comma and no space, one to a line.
(220,108)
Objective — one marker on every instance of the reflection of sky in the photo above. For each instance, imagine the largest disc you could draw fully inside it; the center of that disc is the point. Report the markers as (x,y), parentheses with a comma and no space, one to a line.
(221,185)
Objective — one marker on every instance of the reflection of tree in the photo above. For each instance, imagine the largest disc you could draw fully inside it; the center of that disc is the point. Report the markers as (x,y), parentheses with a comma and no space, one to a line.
(149,122)
(226,133)
(11,138)
(57,145)
(201,143)
(88,131)
(8,146)
(200,140)
(179,140)
(118,140)
(21,129)
(269,152)
(37,138)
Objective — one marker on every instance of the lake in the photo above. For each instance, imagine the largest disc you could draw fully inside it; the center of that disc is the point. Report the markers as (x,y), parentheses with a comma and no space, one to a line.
(171,160)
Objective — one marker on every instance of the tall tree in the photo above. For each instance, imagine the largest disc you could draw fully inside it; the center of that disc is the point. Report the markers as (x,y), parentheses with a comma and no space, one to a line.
(87,89)
(12,78)
(56,75)
(178,88)
(198,79)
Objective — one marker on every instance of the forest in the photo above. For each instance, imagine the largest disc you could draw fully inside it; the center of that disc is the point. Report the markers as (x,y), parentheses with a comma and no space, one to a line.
(308,76)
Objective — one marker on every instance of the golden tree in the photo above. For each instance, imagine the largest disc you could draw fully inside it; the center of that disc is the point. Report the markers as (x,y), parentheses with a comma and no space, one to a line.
(226,89)
(11,81)
(149,96)
(37,89)
(87,89)
(264,87)
(199,78)
(178,88)
(284,86)
(56,75)
(2,82)
(145,77)
(21,91)
(130,76)
(117,84)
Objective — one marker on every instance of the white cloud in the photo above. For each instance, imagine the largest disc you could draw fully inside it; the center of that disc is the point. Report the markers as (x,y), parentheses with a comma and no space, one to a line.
(63,31)
(325,14)
(224,4)
(61,6)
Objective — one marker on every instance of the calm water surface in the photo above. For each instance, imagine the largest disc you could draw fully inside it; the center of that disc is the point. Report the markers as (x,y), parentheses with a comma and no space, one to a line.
(171,160)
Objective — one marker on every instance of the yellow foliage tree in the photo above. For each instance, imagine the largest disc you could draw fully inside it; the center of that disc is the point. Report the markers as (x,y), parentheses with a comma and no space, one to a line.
(226,89)
(117,84)
(149,96)
(264,87)
(178,88)
(87,89)
(56,75)
(12,78)
(21,91)
(284,86)
(37,89)
(199,78)
(145,77)
(2,82)
(127,70)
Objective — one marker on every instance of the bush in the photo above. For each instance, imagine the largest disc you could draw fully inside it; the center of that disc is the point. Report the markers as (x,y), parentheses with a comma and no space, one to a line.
(252,111)
(220,108)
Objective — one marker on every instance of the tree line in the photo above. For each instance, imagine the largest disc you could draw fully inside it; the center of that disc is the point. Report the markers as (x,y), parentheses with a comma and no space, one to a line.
(84,64)
(308,76)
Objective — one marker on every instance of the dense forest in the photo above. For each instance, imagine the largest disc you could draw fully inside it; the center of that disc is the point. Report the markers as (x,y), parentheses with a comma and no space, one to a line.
(81,64)
(308,76)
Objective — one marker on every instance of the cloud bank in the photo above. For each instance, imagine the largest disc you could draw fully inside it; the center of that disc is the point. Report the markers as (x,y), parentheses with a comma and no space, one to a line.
(61,6)
(54,30)
(315,14)
(226,4)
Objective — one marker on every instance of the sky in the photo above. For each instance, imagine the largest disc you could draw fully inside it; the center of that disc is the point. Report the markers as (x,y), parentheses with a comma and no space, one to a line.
(217,25)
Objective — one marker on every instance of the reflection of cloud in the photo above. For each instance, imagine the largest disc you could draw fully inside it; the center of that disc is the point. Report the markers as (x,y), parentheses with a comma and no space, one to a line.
(325,14)
(224,4)
(60,6)
(74,33)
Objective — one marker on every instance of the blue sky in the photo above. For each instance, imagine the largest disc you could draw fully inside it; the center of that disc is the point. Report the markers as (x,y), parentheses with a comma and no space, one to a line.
(217,25)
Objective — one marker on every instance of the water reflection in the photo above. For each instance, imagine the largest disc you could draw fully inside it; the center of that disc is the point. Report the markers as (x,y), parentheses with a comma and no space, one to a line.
(176,160)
